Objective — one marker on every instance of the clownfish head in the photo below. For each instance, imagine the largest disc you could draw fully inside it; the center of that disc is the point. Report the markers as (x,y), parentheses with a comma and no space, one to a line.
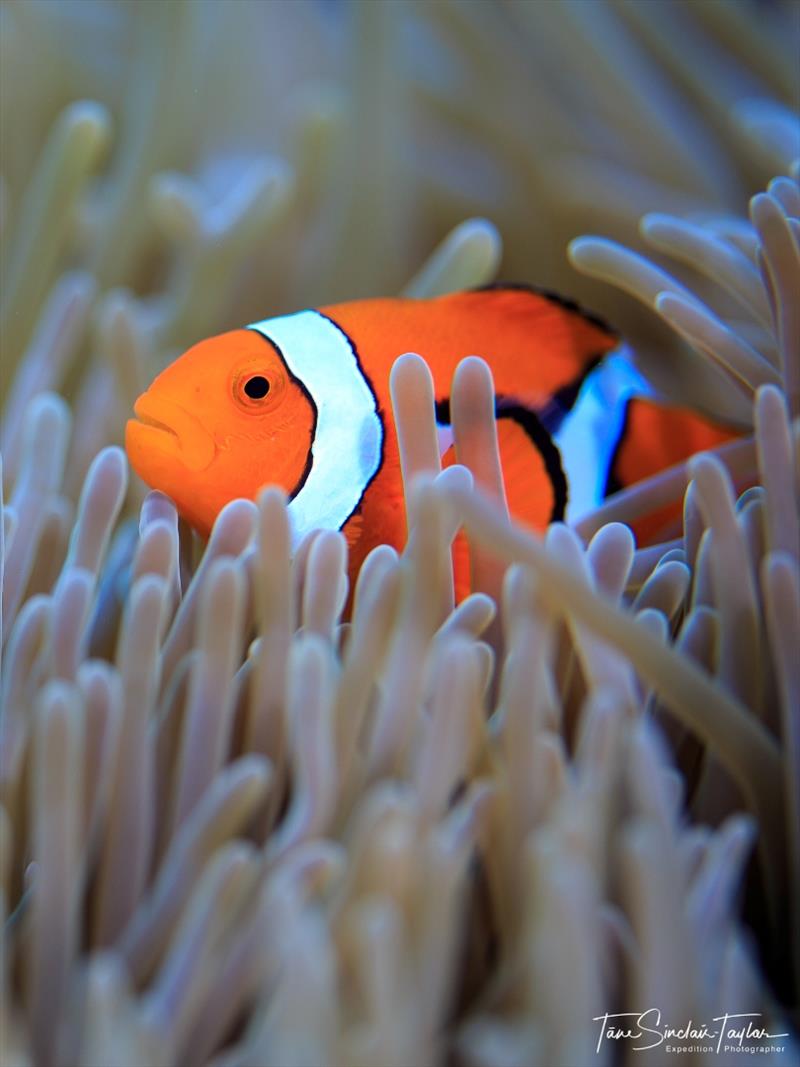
(283,402)
(220,422)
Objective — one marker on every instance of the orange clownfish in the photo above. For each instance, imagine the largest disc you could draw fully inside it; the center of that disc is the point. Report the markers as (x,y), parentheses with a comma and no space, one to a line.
(302,401)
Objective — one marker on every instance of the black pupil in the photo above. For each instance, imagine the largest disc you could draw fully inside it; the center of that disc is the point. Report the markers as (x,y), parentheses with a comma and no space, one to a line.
(257,387)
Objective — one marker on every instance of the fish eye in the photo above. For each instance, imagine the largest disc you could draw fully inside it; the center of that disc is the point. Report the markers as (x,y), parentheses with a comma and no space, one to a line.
(256,387)
(258,390)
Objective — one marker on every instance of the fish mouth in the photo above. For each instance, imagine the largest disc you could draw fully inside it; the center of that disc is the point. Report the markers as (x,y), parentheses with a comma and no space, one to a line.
(165,427)
(145,417)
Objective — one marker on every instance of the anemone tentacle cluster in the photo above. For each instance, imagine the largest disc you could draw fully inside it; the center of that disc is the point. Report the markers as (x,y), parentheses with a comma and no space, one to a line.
(238,829)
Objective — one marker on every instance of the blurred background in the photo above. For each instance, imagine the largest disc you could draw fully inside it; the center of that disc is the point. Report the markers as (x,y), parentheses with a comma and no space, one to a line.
(173,169)
(346,139)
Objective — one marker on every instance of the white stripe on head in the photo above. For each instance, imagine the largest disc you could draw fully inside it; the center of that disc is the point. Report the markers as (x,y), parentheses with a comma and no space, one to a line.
(346,451)
(590,431)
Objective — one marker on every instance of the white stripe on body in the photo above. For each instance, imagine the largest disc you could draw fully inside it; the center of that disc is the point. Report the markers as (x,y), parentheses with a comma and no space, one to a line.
(444,433)
(346,451)
(590,431)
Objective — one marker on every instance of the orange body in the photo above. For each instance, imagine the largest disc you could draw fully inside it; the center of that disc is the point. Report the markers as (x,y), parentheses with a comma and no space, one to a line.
(535,347)
(303,402)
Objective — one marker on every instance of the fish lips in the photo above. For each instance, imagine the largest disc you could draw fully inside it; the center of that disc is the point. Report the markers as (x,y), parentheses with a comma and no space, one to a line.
(167,428)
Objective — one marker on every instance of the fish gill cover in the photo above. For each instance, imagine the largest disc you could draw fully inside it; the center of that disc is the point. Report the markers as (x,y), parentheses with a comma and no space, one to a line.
(234,828)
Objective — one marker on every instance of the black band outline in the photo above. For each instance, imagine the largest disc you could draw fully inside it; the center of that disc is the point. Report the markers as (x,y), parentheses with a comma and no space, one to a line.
(538,434)
(302,386)
(368,381)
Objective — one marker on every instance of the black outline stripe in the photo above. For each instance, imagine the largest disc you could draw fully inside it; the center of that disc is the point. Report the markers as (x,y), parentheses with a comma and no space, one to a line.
(378,413)
(310,460)
(442,410)
(538,434)
(563,400)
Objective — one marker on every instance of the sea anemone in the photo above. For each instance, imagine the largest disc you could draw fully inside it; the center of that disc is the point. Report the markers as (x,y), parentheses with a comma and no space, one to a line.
(240,829)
